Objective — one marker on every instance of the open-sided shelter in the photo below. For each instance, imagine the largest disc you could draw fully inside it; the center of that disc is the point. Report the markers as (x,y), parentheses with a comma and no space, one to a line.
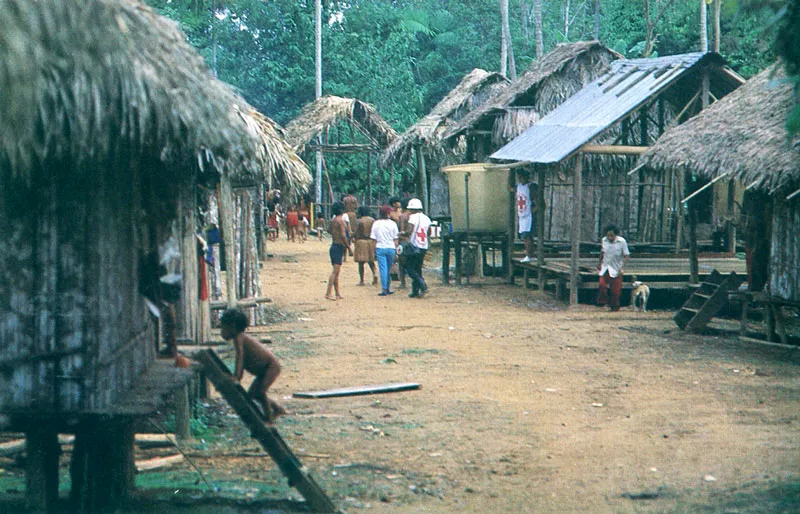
(425,138)
(743,138)
(620,113)
(108,120)
(336,125)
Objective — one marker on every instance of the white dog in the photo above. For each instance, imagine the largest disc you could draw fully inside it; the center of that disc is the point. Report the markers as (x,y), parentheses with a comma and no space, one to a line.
(640,295)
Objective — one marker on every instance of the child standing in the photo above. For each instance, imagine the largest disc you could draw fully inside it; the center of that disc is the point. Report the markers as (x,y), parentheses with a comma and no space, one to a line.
(253,357)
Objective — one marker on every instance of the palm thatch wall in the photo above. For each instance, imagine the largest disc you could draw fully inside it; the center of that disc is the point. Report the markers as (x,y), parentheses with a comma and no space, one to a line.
(549,81)
(318,117)
(473,91)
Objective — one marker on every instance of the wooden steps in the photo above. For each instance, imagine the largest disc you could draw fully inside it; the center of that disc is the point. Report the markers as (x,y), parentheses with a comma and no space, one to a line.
(267,435)
(706,301)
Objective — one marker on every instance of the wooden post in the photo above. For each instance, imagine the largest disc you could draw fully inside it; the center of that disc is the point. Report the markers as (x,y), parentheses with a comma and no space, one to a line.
(730,213)
(640,216)
(681,187)
(694,273)
(540,226)
(41,474)
(666,177)
(446,258)
(627,208)
(182,414)
(189,302)
(706,94)
(574,280)
(226,216)
(512,219)
(102,468)
(369,179)
(423,178)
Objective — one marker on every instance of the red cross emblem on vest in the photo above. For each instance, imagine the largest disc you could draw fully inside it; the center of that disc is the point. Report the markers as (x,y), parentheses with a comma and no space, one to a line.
(521,203)
(421,235)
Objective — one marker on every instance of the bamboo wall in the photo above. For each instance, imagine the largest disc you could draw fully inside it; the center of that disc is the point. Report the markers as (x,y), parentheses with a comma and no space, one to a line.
(785,251)
(74,329)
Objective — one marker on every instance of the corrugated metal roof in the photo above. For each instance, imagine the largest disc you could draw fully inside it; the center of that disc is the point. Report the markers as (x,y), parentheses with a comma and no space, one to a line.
(598,106)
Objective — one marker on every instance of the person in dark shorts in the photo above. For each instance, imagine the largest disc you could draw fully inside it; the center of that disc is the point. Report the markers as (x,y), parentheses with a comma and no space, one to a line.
(339,246)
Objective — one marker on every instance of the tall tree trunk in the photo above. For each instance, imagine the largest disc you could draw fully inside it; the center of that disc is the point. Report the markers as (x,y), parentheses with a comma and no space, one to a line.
(703,26)
(537,21)
(213,39)
(566,21)
(512,68)
(597,19)
(503,37)
(523,11)
(717,9)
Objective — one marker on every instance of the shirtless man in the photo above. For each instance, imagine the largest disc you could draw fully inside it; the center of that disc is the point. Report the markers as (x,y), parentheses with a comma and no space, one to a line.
(253,357)
(339,245)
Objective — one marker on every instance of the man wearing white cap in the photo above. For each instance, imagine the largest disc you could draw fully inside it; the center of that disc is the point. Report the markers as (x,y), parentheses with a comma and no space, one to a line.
(419,225)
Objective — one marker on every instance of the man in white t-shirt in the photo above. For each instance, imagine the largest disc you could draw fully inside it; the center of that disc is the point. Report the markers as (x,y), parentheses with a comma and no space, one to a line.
(419,227)
(613,255)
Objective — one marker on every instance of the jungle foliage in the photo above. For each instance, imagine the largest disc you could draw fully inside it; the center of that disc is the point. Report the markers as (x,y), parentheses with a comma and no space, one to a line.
(403,56)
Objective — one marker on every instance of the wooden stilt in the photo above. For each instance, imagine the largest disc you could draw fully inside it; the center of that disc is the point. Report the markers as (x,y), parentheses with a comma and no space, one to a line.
(512,219)
(694,268)
(182,414)
(103,467)
(577,187)
(41,479)
(540,226)
(731,226)
(679,229)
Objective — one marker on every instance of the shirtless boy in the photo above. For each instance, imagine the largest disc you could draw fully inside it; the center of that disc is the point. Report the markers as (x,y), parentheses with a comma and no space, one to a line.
(339,245)
(253,357)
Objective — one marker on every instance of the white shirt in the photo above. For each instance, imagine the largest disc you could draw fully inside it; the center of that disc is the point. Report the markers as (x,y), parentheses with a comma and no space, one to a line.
(384,232)
(419,235)
(613,254)
(524,203)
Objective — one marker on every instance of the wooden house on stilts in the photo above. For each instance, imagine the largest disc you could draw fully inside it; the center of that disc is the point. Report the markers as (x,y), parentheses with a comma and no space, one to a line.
(108,122)
(586,149)
(424,140)
(743,139)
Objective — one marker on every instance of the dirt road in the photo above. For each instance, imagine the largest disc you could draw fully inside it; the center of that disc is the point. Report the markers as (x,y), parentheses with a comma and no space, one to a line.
(526,406)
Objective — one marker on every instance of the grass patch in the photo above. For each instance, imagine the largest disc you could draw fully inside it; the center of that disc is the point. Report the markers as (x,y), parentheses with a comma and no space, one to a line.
(421,351)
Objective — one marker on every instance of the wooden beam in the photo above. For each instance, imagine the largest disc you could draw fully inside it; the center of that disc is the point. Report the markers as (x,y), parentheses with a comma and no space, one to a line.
(715,179)
(160,462)
(613,149)
(343,148)
(226,218)
(574,279)
(796,193)
(359,390)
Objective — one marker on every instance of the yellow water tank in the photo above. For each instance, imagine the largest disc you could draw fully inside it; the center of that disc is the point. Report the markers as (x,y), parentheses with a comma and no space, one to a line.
(488,197)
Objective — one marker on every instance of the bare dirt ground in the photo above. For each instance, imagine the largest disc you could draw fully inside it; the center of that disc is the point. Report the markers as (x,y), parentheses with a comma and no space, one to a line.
(525,405)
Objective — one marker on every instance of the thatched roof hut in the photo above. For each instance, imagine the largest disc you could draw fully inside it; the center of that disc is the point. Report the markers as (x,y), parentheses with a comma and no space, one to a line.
(550,80)
(473,91)
(743,135)
(319,116)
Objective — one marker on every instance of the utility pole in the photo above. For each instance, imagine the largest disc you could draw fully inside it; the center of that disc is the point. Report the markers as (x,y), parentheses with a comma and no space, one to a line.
(318,92)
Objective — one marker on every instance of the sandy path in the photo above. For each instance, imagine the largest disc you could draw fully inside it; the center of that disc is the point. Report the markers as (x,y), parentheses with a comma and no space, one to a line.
(525,406)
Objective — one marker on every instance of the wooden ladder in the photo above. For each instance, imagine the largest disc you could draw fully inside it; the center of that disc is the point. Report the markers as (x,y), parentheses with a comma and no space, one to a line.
(267,435)
(706,301)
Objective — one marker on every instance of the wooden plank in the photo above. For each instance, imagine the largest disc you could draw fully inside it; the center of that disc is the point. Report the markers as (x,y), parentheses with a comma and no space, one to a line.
(244,302)
(359,390)
(267,435)
(160,462)
(614,149)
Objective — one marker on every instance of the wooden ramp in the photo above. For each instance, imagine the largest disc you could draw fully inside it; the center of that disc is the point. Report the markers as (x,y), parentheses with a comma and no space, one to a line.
(272,442)
(706,301)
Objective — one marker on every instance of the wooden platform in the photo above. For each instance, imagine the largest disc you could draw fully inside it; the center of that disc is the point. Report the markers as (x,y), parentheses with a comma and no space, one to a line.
(659,273)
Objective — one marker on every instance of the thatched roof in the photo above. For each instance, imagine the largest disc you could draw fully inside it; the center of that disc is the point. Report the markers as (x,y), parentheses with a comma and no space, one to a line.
(743,134)
(548,82)
(283,165)
(96,80)
(325,112)
(472,92)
